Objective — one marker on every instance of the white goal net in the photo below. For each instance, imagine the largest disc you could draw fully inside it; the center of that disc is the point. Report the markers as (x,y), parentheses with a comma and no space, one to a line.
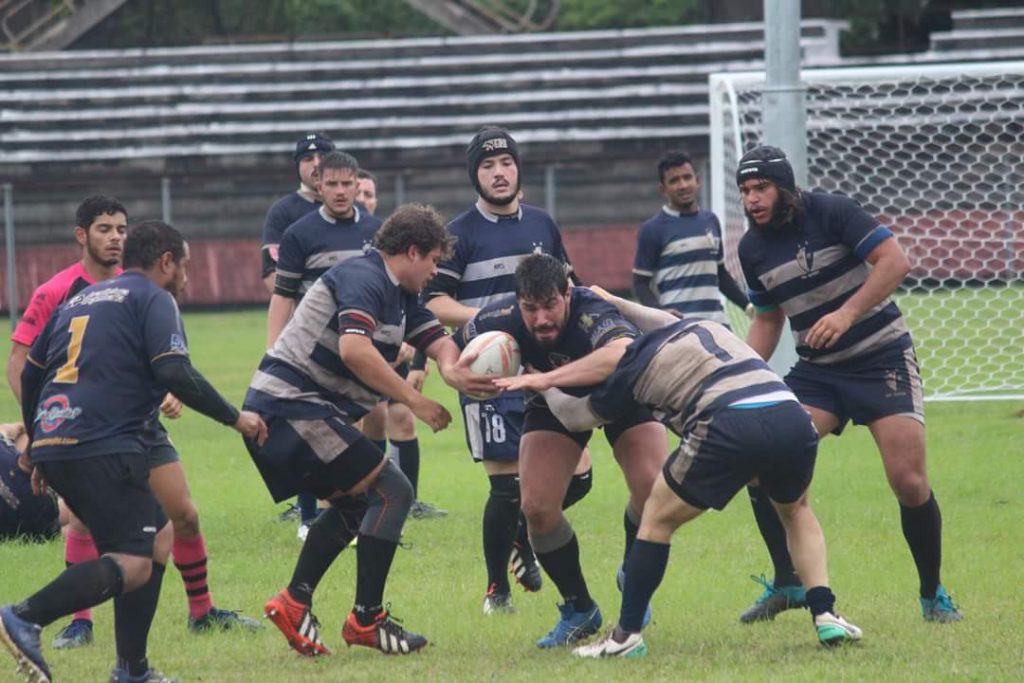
(937,154)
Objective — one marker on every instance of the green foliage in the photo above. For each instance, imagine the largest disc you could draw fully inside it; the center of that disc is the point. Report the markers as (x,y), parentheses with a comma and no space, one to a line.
(437,582)
(578,15)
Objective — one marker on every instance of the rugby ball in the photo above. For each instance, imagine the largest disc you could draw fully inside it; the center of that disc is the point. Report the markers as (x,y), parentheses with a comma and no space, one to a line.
(497,354)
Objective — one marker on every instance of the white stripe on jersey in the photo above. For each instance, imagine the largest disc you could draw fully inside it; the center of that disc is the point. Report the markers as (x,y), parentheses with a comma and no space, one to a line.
(495,267)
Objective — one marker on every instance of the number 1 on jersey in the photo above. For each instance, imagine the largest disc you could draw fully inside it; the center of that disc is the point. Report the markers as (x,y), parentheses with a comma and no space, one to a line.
(68,373)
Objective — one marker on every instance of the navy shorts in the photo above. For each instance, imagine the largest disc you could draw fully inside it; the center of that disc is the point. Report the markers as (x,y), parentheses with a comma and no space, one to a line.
(319,455)
(862,390)
(493,427)
(111,495)
(160,449)
(539,418)
(719,456)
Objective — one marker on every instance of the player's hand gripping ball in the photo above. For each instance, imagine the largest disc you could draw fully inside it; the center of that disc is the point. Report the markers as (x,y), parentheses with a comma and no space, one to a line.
(497,354)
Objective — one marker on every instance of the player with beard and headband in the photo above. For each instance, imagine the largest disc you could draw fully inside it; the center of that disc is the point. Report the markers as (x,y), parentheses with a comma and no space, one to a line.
(94,380)
(401,425)
(494,236)
(555,325)
(680,254)
(293,205)
(827,265)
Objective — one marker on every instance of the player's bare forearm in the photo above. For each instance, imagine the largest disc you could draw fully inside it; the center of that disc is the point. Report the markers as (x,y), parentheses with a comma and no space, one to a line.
(15,364)
(765,331)
(268,283)
(889,267)
(642,290)
(589,370)
(646,318)
(359,354)
(449,311)
(278,314)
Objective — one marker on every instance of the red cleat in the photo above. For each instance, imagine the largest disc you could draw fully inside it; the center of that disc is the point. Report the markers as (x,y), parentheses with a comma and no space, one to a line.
(385,634)
(297,624)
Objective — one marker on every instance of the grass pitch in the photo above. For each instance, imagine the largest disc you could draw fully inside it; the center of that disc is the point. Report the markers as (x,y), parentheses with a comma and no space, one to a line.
(437,583)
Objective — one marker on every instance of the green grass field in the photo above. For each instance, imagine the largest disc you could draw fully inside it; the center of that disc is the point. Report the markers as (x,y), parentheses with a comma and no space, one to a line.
(437,584)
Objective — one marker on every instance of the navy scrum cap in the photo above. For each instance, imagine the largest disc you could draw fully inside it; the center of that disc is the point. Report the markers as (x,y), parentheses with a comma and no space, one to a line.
(312,143)
(489,142)
(769,163)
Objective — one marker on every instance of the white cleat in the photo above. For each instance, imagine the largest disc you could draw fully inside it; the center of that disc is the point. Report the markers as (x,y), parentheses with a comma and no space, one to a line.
(834,630)
(633,646)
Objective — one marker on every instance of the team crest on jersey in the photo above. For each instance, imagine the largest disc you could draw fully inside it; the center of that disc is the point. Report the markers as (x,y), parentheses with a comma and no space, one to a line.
(367,246)
(538,247)
(805,258)
(713,240)
(892,383)
(55,411)
(177,344)
(586,321)
(558,359)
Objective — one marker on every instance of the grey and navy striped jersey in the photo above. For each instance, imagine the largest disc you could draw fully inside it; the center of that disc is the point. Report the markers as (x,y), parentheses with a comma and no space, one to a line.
(303,375)
(681,254)
(316,242)
(280,215)
(811,269)
(488,249)
(686,371)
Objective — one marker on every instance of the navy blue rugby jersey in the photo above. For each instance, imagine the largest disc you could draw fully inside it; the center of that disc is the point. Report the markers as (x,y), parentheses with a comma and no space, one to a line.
(592,323)
(303,376)
(686,371)
(316,242)
(281,214)
(811,269)
(489,248)
(681,254)
(97,354)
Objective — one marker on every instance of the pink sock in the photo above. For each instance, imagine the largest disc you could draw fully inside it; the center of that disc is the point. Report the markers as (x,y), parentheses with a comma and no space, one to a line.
(190,559)
(79,548)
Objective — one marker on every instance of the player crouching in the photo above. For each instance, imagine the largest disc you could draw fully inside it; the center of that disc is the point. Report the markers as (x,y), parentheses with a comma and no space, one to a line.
(329,367)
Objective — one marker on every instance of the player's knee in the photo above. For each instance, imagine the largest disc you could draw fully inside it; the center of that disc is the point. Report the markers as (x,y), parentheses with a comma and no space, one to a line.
(186,521)
(911,488)
(389,499)
(135,569)
(401,423)
(541,515)
(579,487)
(505,489)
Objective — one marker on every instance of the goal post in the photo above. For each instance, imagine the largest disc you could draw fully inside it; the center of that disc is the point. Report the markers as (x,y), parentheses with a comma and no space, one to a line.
(935,152)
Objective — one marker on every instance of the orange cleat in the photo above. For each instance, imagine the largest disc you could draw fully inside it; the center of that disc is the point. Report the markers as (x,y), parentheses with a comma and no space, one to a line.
(385,634)
(297,624)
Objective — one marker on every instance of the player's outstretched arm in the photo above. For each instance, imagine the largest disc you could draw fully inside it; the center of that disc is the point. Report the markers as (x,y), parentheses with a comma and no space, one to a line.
(591,369)
(176,374)
(278,314)
(358,353)
(644,317)
(455,369)
(572,411)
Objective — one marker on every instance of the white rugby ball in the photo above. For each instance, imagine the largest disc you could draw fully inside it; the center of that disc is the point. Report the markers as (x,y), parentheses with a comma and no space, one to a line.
(497,354)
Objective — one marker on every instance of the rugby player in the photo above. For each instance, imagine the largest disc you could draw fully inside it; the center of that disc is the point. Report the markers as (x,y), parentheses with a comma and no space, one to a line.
(555,325)
(101,225)
(95,378)
(680,254)
(23,515)
(331,364)
(737,420)
(827,265)
(494,235)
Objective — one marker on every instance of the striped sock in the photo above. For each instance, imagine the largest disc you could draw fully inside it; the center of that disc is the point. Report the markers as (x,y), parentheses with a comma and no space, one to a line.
(79,548)
(190,558)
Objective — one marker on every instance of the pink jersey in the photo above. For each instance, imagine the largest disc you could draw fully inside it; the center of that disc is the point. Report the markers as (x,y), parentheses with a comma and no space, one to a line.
(47,297)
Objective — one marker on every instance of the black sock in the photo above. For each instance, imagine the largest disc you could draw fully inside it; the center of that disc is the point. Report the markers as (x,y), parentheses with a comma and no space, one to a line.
(307,507)
(922,527)
(82,585)
(381,445)
(133,615)
(373,563)
(645,568)
(631,526)
(331,533)
(579,487)
(501,519)
(820,599)
(563,566)
(774,535)
(409,461)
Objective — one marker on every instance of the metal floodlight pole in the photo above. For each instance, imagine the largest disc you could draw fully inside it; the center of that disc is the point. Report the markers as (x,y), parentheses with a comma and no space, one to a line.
(784,115)
(12,274)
